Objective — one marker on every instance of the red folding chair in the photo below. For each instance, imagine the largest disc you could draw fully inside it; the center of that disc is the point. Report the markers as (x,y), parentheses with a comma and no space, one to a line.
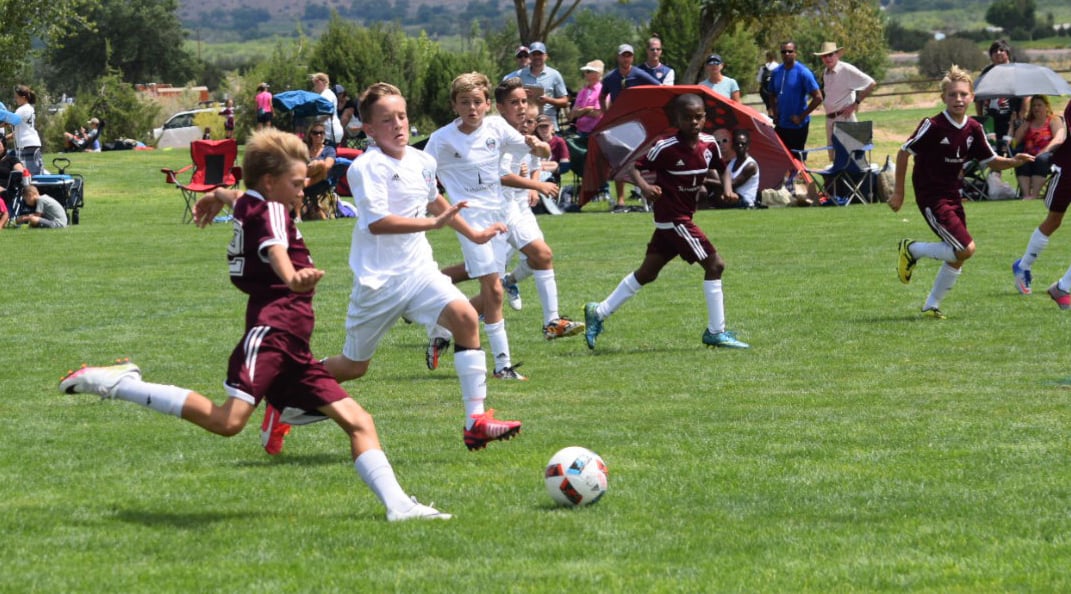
(213,167)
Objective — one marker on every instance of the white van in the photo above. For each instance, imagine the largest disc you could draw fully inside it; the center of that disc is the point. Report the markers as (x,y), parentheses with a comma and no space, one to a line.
(179,130)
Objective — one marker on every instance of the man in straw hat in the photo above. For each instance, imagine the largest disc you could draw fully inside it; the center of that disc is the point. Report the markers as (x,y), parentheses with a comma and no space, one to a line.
(845,88)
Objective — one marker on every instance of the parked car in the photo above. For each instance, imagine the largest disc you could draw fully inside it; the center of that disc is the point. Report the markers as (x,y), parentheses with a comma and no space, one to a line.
(180,130)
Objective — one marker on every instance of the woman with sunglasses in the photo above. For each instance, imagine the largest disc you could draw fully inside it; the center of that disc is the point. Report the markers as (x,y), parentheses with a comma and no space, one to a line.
(321,155)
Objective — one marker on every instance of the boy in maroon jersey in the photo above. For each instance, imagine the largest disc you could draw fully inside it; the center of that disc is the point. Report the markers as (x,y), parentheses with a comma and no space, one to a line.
(269,261)
(942,145)
(680,164)
(1057,199)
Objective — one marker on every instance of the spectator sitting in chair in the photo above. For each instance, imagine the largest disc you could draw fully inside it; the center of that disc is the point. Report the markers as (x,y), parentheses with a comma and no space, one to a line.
(321,155)
(558,163)
(47,212)
(1041,133)
(9,163)
(85,140)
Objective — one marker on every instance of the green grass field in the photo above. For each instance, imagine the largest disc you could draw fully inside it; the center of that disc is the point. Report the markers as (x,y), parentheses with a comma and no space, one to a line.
(855,447)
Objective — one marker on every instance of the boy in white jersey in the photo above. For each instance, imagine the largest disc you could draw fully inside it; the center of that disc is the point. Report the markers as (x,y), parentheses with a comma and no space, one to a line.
(469,153)
(395,273)
(521,185)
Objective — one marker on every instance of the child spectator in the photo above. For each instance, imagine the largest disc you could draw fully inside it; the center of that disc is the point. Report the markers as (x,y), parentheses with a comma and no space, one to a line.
(47,213)
(680,164)
(269,262)
(942,144)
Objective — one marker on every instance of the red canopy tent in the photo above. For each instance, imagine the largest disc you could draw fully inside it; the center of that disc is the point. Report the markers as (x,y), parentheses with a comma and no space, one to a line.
(638,118)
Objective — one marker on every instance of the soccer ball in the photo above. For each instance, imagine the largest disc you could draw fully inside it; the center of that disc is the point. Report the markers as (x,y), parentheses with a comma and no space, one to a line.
(576,476)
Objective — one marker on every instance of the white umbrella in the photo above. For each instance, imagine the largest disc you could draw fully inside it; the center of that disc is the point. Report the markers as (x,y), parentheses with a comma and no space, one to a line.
(1020,80)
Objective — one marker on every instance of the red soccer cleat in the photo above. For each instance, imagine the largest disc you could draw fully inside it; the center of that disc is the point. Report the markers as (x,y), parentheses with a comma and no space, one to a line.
(273,431)
(487,429)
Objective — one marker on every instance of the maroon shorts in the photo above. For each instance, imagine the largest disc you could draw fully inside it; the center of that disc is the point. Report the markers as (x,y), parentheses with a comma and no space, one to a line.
(1058,197)
(948,221)
(279,366)
(683,239)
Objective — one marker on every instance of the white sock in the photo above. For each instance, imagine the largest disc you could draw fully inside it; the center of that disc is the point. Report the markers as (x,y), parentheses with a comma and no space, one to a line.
(471,367)
(437,331)
(547,287)
(946,279)
(376,472)
(522,271)
(1038,242)
(496,337)
(715,306)
(1064,284)
(938,250)
(159,397)
(625,290)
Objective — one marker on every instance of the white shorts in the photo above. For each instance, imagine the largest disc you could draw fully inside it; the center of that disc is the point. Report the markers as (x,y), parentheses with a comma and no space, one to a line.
(486,258)
(419,296)
(523,227)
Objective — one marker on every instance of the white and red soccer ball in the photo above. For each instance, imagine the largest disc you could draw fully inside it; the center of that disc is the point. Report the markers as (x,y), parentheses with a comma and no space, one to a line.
(576,476)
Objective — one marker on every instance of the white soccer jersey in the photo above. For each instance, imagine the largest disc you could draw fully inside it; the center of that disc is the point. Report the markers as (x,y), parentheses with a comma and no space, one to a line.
(383,186)
(469,164)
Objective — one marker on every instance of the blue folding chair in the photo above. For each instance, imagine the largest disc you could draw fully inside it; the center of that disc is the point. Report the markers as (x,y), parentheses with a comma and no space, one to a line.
(850,177)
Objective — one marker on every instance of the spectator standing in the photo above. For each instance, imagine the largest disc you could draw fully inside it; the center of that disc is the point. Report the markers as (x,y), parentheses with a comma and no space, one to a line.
(623,77)
(347,114)
(555,95)
(763,78)
(523,60)
(321,83)
(717,81)
(228,118)
(1039,135)
(844,88)
(264,108)
(27,141)
(587,110)
(1006,112)
(654,65)
(795,94)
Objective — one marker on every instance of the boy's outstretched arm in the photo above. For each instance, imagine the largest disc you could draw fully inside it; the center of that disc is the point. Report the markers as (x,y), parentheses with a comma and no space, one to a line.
(210,205)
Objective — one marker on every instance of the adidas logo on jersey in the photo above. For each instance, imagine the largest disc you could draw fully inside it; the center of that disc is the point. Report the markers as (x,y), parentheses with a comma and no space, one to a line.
(680,163)
(945,140)
(396,177)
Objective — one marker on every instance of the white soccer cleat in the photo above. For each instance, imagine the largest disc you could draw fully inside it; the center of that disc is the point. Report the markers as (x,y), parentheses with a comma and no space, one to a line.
(101,381)
(419,511)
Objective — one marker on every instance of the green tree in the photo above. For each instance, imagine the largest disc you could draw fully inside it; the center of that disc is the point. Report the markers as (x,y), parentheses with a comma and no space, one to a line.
(21,22)
(141,39)
(595,36)
(1012,14)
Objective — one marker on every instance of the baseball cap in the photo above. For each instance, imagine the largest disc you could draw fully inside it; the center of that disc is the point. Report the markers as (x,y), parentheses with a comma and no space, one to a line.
(537,46)
(714,59)
(522,50)
(339,89)
(544,119)
(625,48)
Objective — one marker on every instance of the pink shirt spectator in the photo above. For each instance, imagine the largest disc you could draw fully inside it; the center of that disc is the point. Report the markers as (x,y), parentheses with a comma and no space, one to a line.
(264,101)
(588,97)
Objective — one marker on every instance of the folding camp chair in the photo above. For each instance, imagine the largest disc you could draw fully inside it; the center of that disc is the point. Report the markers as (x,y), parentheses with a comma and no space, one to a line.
(850,177)
(213,167)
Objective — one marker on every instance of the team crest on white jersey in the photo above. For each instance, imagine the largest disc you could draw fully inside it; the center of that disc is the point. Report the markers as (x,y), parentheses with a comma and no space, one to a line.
(429,177)
(491,144)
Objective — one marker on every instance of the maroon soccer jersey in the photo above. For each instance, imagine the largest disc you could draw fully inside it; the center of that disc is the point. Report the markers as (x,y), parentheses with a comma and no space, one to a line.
(1061,157)
(941,148)
(679,170)
(259,224)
